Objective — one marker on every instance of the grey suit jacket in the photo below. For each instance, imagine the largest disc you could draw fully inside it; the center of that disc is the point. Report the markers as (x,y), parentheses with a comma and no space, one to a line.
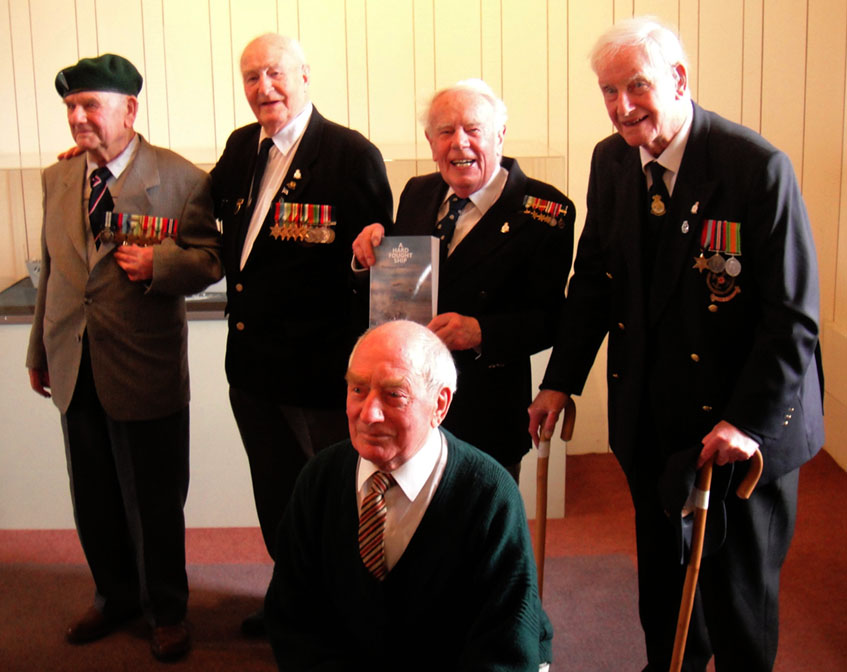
(137,331)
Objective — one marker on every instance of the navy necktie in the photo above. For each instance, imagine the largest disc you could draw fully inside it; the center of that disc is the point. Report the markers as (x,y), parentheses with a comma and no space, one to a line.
(446,226)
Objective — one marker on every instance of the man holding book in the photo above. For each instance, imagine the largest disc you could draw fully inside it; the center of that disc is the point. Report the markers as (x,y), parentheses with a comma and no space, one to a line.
(507,244)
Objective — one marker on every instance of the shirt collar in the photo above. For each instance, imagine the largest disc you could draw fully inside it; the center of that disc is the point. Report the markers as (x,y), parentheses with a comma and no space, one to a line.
(671,157)
(487,195)
(412,475)
(291,132)
(117,165)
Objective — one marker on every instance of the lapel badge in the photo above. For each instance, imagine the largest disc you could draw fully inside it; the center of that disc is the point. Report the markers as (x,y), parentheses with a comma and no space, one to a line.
(238,205)
(684,228)
(505,228)
(695,207)
(297,174)
(291,185)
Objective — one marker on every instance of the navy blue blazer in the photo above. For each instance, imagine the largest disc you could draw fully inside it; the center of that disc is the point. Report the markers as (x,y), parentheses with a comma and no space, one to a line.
(707,346)
(291,310)
(509,272)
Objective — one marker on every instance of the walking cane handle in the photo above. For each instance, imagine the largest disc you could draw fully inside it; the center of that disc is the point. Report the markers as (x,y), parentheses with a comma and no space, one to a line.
(746,487)
(569,420)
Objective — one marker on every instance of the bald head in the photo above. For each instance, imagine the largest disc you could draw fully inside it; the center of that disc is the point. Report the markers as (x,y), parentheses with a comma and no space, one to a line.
(276,80)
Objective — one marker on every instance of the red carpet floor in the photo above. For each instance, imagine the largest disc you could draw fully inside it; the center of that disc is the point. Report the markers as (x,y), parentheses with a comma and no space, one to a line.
(589,588)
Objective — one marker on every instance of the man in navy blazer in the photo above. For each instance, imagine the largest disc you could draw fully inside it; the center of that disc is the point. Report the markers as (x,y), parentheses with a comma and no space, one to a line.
(292,192)
(504,276)
(713,348)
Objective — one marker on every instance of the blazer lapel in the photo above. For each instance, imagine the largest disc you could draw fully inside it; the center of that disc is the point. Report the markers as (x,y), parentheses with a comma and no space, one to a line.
(680,239)
(71,200)
(488,234)
(142,179)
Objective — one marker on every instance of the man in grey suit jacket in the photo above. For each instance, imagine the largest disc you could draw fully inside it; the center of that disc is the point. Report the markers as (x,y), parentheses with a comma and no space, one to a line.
(697,260)
(120,249)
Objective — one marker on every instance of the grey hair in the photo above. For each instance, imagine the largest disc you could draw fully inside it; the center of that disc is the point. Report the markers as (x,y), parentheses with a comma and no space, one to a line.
(430,358)
(475,86)
(659,43)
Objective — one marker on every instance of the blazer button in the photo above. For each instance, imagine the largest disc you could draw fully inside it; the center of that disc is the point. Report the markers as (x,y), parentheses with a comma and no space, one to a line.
(239,326)
(713,308)
(621,326)
(616,375)
(609,275)
(707,409)
(239,287)
(695,357)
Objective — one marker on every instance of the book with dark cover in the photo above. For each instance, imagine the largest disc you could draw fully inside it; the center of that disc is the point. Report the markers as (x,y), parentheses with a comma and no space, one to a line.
(404,280)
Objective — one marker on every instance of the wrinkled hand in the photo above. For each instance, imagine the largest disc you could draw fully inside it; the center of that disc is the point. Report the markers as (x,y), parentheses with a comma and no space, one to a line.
(70,153)
(727,444)
(369,238)
(544,413)
(39,380)
(136,260)
(458,332)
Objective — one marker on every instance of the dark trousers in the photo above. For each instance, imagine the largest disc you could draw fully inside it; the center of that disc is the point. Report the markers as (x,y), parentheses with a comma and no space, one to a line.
(129,482)
(278,440)
(736,610)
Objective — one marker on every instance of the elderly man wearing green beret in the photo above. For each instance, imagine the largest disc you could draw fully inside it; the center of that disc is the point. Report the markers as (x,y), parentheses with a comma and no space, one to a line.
(128,231)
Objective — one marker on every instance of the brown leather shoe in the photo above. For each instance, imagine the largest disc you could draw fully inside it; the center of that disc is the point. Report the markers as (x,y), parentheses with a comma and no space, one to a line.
(92,626)
(169,642)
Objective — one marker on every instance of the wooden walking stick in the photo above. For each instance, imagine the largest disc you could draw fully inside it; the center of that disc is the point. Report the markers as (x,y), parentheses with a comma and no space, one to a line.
(541,489)
(701,492)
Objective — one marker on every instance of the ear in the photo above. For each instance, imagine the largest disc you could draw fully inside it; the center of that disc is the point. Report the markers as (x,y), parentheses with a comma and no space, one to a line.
(681,77)
(442,405)
(307,74)
(131,111)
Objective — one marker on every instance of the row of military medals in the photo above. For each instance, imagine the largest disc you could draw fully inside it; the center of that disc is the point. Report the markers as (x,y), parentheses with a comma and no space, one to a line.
(301,222)
(127,229)
(720,237)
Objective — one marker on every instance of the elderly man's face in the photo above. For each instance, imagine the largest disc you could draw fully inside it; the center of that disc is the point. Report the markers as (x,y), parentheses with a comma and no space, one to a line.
(646,105)
(466,144)
(101,122)
(275,83)
(390,412)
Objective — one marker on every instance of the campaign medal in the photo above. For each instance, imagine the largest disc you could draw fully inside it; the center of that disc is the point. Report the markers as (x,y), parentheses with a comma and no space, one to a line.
(721,238)
(549,212)
(107,235)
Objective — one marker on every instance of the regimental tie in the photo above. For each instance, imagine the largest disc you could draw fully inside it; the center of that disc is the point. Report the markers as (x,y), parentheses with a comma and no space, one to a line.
(99,202)
(446,226)
(258,174)
(659,200)
(372,525)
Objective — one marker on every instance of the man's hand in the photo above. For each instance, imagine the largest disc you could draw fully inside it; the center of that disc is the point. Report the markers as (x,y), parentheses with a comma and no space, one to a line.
(544,414)
(70,153)
(728,444)
(458,332)
(39,380)
(363,247)
(136,260)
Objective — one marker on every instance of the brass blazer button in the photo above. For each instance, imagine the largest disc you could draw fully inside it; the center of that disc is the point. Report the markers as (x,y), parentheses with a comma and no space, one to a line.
(239,287)
(239,326)
(713,307)
(695,357)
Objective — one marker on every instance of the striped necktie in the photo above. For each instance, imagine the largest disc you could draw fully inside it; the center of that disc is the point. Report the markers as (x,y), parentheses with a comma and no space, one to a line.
(99,202)
(372,525)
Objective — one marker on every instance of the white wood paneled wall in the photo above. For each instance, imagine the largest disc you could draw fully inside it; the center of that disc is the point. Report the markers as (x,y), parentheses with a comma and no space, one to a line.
(777,66)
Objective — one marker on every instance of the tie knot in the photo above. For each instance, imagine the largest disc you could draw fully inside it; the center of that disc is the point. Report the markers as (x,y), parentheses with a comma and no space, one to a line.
(381,482)
(657,172)
(265,147)
(100,176)
(457,204)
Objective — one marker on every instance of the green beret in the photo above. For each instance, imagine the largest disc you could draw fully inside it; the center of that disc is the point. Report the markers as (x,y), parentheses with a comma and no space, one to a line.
(108,72)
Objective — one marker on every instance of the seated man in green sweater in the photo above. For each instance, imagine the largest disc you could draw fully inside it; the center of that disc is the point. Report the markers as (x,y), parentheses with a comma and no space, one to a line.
(405,548)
